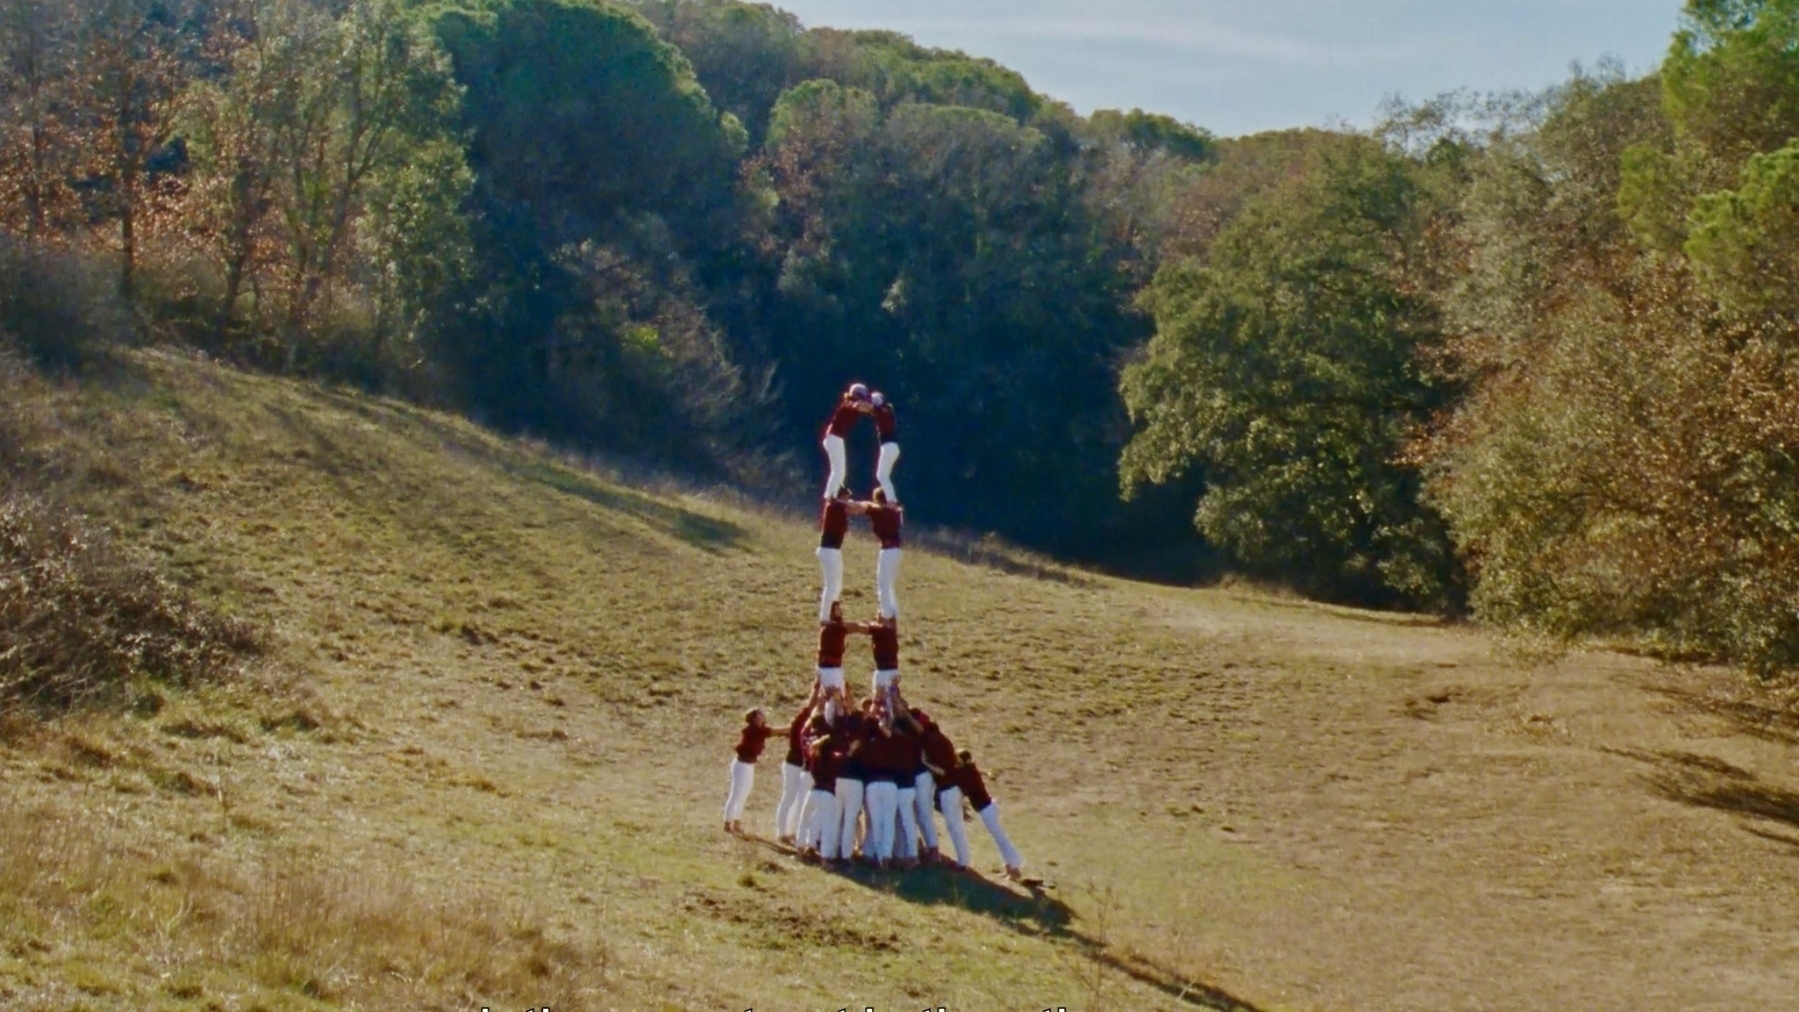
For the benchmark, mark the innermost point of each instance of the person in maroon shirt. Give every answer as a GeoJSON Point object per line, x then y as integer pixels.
{"type": "Point", "coordinates": [909, 734]}
{"type": "Point", "coordinates": [936, 753]}
{"type": "Point", "coordinates": [795, 783]}
{"type": "Point", "coordinates": [854, 729]}
{"type": "Point", "coordinates": [887, 428]}
{"type": "Point", "coordinates": [833, 634]}
{"type": "Point", "coordinates": [833, 526]}
{"type": "Point", "coordinates": [967, 777]}
{"type": "Point", "coordinates": [824, 756]}
{"type": "Point", "coordinates": [886, 517]}
{"type": "Point", "coordinates": [850, 409]}
{"type": "Point", "coordinates": [887, 756]}
{"type": "Point", "coordinates": [750, 741]}
{"type": "Point", "coordinates": [883, 635]}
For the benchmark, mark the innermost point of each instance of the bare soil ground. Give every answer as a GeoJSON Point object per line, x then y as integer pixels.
{"type": "Point", "coordinates": [486, 766]}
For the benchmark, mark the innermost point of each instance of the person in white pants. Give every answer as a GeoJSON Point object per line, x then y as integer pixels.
{"type": "Point", "coordinates": [755, 735]}
{"type": "Point", "coordinates": [833, 635]}
{"type": "Point", "coordinates": [905, 846]}
{"type": "Point", "coordinates": [819, 823]}
{"type": "Point", "coordinates": [842, 422]}
{"type": "Point", "coordinates": [949, 802]}
{"type": "Point", "coordinates": [833, 527]}
{"type": "Point", "coordinates": [882, 798]}
{"type": "Point", "coordinates": [886, 518]}
{"type": "Point", "coordinates": [887, 429]}
{"type": "Point", "coordinates": [796, 783]}
{"type": "Point", "coordinates": [883, 636]}
{"type": "Point", "coordinates": [849, 797]}
{"type": "Point", "coordinates": [852, 729]}
{"type": "Point", "coordinates": [968, 778]}
{"type": "Point", "coordinates": [935, 749]}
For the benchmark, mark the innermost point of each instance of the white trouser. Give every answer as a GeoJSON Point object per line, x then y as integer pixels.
{"type": "Point", "coordinates": [830, 562]}
{"type": "Point", "coordinates": [924, 797]}
{"type": "Point", "coordinates": [831, 678]}
{"type": "Point", "coordinates": [839, 458]}
{"type": "Point", "coordinates": [949, 801]}
{"type": "Point", "coordinates": [883, 681]}
{"type": "Point", "coordinates": [849, 805]}
{"type": "Point", "coordinates": [1007, 852]}
{"type": "Point", "coordinates": [887, 581]}
{"type": "Point", "coordinates": [883, 804]}
{"type": "Point", "coordinates": [818, 825]}
{"type": "Point", "coordinates": [884, 470]}
{"type": "Point", "coordinates": [795, 783]}
{"type": "Point", "coordinates": [906, 847]}
{"type": "Point", "coordinates": [743, 777]}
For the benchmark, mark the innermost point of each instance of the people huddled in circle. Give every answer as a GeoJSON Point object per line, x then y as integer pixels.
{"type": "Point", "coordinates": [864, 780]}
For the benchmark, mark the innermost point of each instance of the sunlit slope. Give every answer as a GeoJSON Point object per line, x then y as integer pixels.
{"type": "Point", "coordinates": [528, 676]}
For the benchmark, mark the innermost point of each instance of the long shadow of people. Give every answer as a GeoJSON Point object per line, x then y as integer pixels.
{"type": "Point", "coordinates": [1033, 911]}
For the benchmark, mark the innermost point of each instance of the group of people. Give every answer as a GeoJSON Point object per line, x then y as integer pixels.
{"type": "Point", "coordinates": [864, 779]}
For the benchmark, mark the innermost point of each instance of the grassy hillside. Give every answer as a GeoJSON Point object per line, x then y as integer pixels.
{"type": "Point", "coordinates": [483, 762]}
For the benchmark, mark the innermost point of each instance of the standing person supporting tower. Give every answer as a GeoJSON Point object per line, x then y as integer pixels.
{"type": "Point", "coordinates": [852, 734]}
{"type": "Point", "coordinates": [938, 754]}
{"type": "Point", "coordinates": [819, 824]}
{"type": "Point", "coordinates": [887, 427]}
{"type": "Point", "coordinates": [907, 732]}
{"type": "Point", "coordinates": [842, 422]}
{"type": "Point", "coordinates": [756, 733]}
{"type": "Point", "coordinates": [796, 783]}
{"type": "Point", "coordinates": [833, 526]}
{"type": "Point", "coordinates": [886, 518]}
{"type": "Point", "coordinates": [886, 760]}
{"type": "Point", "coordinates": [968, 778]}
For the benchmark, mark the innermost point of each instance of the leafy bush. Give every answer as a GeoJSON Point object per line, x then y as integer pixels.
{"type": "Point", "coordinates": [81, 618]}
{"type": "Point", "coordinates": [60, 307]}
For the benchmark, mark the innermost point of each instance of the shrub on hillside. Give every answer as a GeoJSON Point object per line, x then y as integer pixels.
{"type": "Point", "coordinates": [81, 618]}
{"type": "Point", "coordinates": [59, 306]}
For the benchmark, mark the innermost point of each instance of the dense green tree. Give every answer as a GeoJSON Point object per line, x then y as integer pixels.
{"type": "Point", "coordinates": [600, 162]}
{"type": "Point", "coordinates": [327, 170]}
{"type": "Point", "coordinates": [1290, 367]}
{"type": "Point", "coordinates": [579, 114]}
{"type": "Point", "coordinates": [1745, 242]}
{"type": "Point", "coordinates": [40, 104]}
{"type": "Point", "coordinates": [1624, 463]}
{"type": "Point", "coordinates": [946, 253]}
{"type": "Point", "coordinates": [744, 54]}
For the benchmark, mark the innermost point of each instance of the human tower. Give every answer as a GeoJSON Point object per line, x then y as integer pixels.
{"type": "Point", "coordinates": [864, 779]}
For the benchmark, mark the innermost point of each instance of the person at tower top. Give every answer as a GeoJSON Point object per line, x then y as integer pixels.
{"type": "Point", "coordinates": [887, 428]}
{"type": "Point", "coordinates": [850, 408]}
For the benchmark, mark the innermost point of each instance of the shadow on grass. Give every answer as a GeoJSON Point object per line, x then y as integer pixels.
{"type": "Point", "coordinates": [708, 534]}
{"type": "Point", "coordinates": [1034, 913]}
{"type": "Point", "coordinates": [1759, 713]}
{"type": "Point", "coordinates": [990, 552]}
{"type": "Point", "coordinates": [1709, 782]}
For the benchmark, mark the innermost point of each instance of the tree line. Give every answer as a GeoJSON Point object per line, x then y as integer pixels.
{"type": "Point", "coordinates": [1525, 356]}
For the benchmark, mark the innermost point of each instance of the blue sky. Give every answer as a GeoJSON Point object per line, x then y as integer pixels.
{"type": "Point", "coordinates": [1239, 66]}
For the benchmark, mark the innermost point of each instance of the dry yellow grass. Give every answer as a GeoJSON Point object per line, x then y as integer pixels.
{"type": "Point", "coordinates": [484, 765]}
